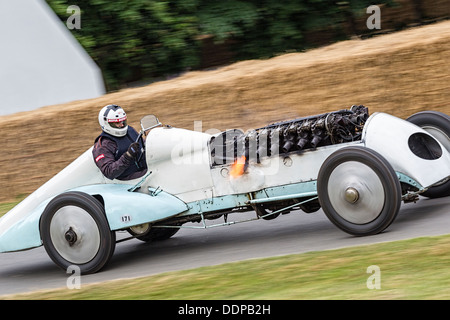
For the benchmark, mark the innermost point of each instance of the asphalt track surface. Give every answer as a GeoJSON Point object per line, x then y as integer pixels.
{"type": "Point", "coordinates": [295, 232]}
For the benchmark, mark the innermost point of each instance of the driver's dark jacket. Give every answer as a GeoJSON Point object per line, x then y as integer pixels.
{"type": "Point", "coordinates": [110, 156]}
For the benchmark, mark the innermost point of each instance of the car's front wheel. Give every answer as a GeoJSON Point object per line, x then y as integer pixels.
{"type": "Point", "coordinates": [75, 231]}
{"type": "Point", "coordinates": [359, 191]}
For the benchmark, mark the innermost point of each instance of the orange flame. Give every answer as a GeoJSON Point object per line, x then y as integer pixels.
{"type": "Point", "coordinates": [237, 169]}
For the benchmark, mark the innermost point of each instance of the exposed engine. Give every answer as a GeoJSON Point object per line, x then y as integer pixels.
{"type": "Point", "coordinates": [284, 137]}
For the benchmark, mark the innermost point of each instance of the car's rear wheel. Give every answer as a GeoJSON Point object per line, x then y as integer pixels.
{"type": "Point", "coordinates": [438, 125]}
{"type": "Point", "coordinates": [359, 191]}
{"type": "Point", "coordinates": [75, 231]}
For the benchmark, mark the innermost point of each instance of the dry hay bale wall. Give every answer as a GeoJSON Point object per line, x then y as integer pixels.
{"type": "Point", "coordinates": [400, 73]}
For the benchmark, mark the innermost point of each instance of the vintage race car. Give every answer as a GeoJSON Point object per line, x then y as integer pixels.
{"type": "Point", "coordinates": [357, 168]}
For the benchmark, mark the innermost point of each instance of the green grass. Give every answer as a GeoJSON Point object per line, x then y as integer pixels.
{"type": "Point", "coordinates": [6, 206]}
{"type": "Point", "coordinates": [409, 269]}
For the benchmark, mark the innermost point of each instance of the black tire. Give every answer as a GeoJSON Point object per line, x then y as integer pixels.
{"type": "Point", "coordinates": [154, 233]}
{"type": "Point", "coordinates": [438, 125]}
{"type": "Point", "coordinates": [75, 231]}
{"type": "Point", "coordinates": [359, 191]}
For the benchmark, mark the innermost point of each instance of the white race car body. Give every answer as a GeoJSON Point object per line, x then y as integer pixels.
{"type": "Point", "coordinates": [184, 184]}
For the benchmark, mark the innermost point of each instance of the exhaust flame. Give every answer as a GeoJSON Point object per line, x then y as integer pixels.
{"type": "Point", "coordinates": [237, 169]}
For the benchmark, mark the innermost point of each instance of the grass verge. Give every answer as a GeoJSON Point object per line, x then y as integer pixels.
{"type": "Point", "coordinates": [408, 269]}
{"type": "Point", "coordinates": [6, 206]}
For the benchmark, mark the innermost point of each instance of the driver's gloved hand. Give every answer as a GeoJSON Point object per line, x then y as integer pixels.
{"type": "Point", "coordinates": [133, 150]}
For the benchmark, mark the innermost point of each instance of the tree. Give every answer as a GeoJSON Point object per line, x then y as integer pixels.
{"type": "Point", "coordinates": [135, 39]}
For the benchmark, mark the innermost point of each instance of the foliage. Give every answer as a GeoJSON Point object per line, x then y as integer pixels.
{"type": "Point", "coordinates": [134, 40]}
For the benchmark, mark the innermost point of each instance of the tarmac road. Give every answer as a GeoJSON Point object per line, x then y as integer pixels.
{"type": "Point", "coordinates": [296, 232]}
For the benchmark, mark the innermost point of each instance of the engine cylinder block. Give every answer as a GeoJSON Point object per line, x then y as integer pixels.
{"type": "Point", "coordinates": [293, 136]}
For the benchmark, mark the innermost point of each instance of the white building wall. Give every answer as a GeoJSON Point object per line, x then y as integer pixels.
{"type": "Point", "coordinates": [41, 63]}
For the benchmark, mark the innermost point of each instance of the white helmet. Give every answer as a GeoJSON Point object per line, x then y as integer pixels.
{"type": "Point", "coordinates": [113, 120]}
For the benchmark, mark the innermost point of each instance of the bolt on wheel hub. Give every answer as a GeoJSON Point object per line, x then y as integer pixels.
{"type": "Point", "coordinates": [351, 195]}
{"type": "Point", "coordinates": [70, 236]}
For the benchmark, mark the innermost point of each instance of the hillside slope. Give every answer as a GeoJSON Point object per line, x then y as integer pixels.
{"type": "Point", "coordinates": [400, 73]}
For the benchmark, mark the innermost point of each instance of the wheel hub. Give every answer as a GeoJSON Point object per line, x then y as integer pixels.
{"type": "Point", "coordinates": [351, 195]}
{"type": "Point", "coordinates": [75, 234]}
{"type": "Point", "coordinates": [70, 236]}
{"type": "Point", "coordinates": [356, 192]}
{"type": "Point", "coordinates": [141, 229]}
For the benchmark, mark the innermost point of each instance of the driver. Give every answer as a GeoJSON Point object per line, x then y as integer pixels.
{"type": "Point", "coordinates": [117, 153]}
